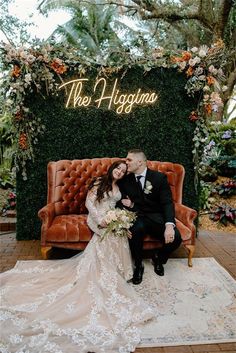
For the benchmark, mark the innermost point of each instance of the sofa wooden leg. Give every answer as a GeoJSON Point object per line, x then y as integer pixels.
{"type": "Point", "coordinates": [45, 251]}
{"type": "Point", "coordinates": [190, 250]}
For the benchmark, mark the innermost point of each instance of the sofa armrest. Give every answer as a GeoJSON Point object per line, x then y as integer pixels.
{"type": "Point", "coordinates": [186, 215]}
{"type": "Point", "coordinates": [46, 214]}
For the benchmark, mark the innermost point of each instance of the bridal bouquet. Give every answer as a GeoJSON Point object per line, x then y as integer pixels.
{"type": "Point", "coordinates": [118, 222]}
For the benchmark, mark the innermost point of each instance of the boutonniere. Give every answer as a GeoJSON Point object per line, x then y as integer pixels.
{"type": "Point", "coordinates": [148, 187]}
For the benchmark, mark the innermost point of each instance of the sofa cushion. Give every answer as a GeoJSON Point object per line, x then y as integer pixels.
{"type": "Point", "coordinates": [73, 228]}
{"type": "Point", "coordinates": [69, 228]}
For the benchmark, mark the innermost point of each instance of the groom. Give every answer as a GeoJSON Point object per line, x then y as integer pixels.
{"type": "Point", "coordinates": [148, 193]}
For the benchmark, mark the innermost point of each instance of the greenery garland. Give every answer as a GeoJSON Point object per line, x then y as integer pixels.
{"type": "Point", "coordinates": [43, 67]}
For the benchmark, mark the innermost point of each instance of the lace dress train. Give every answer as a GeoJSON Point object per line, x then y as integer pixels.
{"type": "Point", "coordinates": [82, 304]}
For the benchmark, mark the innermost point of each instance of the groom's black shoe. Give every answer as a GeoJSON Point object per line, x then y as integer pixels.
{"type": "Point", "coordinates": [138, 274]}
{"type": "Point", "coordinates": [158, 266]}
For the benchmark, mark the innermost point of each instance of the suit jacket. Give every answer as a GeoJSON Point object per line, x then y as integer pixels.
{"type": "Point", "coordinates": [156, 203]}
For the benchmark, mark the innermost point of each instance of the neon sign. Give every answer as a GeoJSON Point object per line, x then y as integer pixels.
{"type": "Point", "coordinates": [112, 97]}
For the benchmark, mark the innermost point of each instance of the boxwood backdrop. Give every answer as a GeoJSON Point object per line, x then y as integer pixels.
{"type": "Point", "coordinates": [162, 130]}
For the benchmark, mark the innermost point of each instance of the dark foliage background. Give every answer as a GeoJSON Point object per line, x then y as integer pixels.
{"type": "Point", "coordinates": [163, 131]}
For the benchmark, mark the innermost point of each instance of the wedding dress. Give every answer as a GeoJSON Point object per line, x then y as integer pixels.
{"type": "Point", "coordinates": [77, 305]}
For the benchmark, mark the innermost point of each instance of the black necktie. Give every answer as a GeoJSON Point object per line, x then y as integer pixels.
{"type": "Point", "coordinates": [139, 182]}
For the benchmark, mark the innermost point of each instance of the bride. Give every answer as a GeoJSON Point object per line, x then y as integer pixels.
{"type": "Point", "coordinates": [78, 305]}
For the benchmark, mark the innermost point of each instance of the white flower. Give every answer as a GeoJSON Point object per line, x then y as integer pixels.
{"type": "Point", "coordinates": [202, 77]}
{"type": "Point", "coordinates": [58, 61]}
{"type": "Point", "coordinates": [216, 99]}
{"type": "Point", "coordinates": [111, 216]}
{"type": "Point", "coordinates": [30, 59]}
{"type": "Point", "coordinates": [206, 88]}
{"type": "Point", "coordinates": [7, 46]}
{"type": "Point", "coordinates": [203, 51]}
{"type": "Point", "coordinates": [199, 71]}
{"type": "Point", "coordinates": [23, 55]}
{"type": "Point", "coordinates": [12, 52]}
{"type": "Point", "coordinates": [8, 58]}
{"type": "Point", "coordinates": [215, 107]}
{"type": "Point", "coordinates": [193, 62]}
{"type": "Point", "coordinates": [212, 70]}
{"type": "Point", "coordinates": [157, 52]}
{"type": "Point", "coordinates": [148, 187]}
{"type": "Point", "coordinates": [182, 65]}
{"type": "Point", "coordinates": [194, 49]}
{"type": "Point", "coordinates": [28, 78]}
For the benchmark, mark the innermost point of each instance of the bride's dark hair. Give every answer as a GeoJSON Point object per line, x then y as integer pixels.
{"type": "Point", "coordinates": [104, 183]}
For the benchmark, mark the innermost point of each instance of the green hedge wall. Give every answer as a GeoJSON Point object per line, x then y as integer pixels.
{"type": "Point", "coordinates": [163, 131]}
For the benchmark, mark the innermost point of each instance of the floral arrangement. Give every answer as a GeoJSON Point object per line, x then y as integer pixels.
{"type": "Point", "coordinates": [43, 66]}
{"type": "Point", "coordinates": [206, 77]}
{"type": "Point", "coordinates": [118, 222]}
{"type": "Point", "coordinates": [203, 76]}
{"type": "Point", "coordinates": [10, 203]}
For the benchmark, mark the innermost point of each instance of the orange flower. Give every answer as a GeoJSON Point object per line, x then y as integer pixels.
{"type": "Point", "coordinates": [58, 68]}
{"type": "Point", "coordinates": [210, 80]}
{"type": "Point", "coordinates": [219, 44]}
{"type": "Point", "coordinates": [23, 141]}
{"type": "Point", "coordinates": [189, 72]}
{"type": "Point", "coordinates": [186, 56]}
{"type": "Point", "coordinates": [16, 71]}
{"type": "Point", "coordinates": [208, 108]}
{"type": "Point", "coordinates": [193, 116]}
{"type": "Point", "coordinates": [176, 59]}
{"type": "Point", "coordinates": [61, 69]}
{"type": "Point", "coordinates": [19, 115]}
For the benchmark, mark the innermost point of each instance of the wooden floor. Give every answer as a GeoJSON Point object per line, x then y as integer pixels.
{"type": "Point", "coordinates": [220, 245]}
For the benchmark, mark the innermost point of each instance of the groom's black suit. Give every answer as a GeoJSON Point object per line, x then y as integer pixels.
{"type": "Point", "coordinates": [154, 207]}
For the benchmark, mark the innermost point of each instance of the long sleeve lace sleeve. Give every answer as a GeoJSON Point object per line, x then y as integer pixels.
{"type": "Point", "coordinates": [91, 206]}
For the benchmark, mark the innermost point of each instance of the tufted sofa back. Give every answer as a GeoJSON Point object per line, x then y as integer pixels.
{"type": "Point", "coordinates": [68, 181]}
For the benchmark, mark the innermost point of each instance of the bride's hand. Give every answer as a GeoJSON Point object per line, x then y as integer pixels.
{"type": "Point", "coordinates": [103, 224]}
{"type": "Point", "coordinates": [129, 234]}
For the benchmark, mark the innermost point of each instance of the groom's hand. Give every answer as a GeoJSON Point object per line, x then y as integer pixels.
{"type": "Point", "coordinates": [169, 233]}
{"type": "Point", "coordinates": [127, 202]}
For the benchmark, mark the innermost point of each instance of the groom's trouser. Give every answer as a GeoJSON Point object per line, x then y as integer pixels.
{"type": "Point", "coordinates": [143, 226]}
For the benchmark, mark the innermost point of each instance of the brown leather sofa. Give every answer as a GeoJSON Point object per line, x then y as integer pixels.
{"type": "Point", "coordinates": [64, 217]}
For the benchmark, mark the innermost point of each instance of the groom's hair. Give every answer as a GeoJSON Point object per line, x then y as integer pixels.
{"type": "Point", "coordinates": [139, 152]}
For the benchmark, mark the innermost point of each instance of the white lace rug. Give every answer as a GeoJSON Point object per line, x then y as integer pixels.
{"type": "Point", "coordinates": [193, 305]}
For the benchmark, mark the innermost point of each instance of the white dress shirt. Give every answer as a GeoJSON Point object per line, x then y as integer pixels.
{"type": "Point", "coordinates": [143, 175]}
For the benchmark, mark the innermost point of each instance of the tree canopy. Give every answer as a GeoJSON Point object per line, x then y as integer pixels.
{"type": "Point", "coordinates": [179, 24]}
{"type": "Point", "coordinates": [14, 30]}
